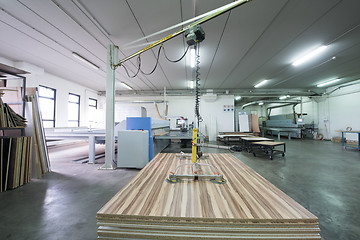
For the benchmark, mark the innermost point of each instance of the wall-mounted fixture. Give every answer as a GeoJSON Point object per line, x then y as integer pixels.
{"type": "Point", "coordinates": [81, 58]}
{"type": "Point", "coordinates": [309, 56]}
{"type": "Point", "coordinates": [263, 82]}
{"type": "Point", "coordinates": [328, 82]}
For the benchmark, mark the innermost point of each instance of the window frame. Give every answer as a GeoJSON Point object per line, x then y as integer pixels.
{"type": "Point", "coordinates": [91, 107]}
{"type": "Point", "coordinates": [78, 103]}
{"type": "Point", "coordinates": [96, 103]}
{"type": "Point", "coordinates": [54, 99]}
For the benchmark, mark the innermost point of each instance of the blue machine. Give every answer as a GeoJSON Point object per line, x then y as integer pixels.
{"type": "Point", "coordinates": [152, 126]}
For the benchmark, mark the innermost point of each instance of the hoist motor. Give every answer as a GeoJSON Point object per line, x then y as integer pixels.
{"type": "Point", "coordinates": [194, 35]}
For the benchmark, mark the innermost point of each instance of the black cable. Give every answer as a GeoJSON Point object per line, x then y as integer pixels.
{"type": "Point", "coordinates": [138, 70]}
{"type": "Point", "coordinates": [157, 63]}
{"type": "Point", "coordinates": [175, 61]}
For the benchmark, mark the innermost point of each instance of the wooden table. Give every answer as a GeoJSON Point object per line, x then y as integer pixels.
{"type": "Point", "coordinates": [247, 206]}
{"type": "Point", "coordinates": [227, 138]}
{"type": "Point", "coordinates": [246, 142]}
{"type": "Point", "coordinates": [267, 148]}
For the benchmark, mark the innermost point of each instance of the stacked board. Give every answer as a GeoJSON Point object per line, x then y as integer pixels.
{"type": "Point", "coordinates": [9, 118]}
{"type": "Point", "coordinates": [14, 162]}
{"type": "Point", "coordinates": [247, 206]}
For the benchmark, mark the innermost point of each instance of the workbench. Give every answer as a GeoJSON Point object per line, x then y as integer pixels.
{"type": "Point", "coordinates": [247, 206]}
{"type": "Point", "coordinates": [154, 126]}
{"type": "Point", "coordinates": [348, 144]}
{"type": "Point", "coordinates": [268, 148]}
{"type": "Point", "coordinates": [279, 131]}
{"type": "Point", "coordinates": [246, 142]}
{"type": "Point", "coordinates": [227, 138]}
{"type": "Point", "coordinates": [93, 136]}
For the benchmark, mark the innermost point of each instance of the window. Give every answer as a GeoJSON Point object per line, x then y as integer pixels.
{"type": "Point", "coordinates": [92, 111]}
{"type": "Point", "coordinates": [74, 110]}
{"type": "Point", "coordinates": [47, 98]}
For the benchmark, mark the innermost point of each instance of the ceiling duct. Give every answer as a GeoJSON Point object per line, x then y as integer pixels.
{"type": "Point", "coordinates": [282, 103]}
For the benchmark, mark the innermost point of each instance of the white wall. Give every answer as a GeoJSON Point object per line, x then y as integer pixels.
{"type": "Point", "coordinates": [331, 112]}
{"type": "Point", "coordinates": [212, 112]}
{"type": "Point", "coordinates": [309, 109]}
{"type": "Point", "coordinates": [63, 88]}
{"type": "Point", "coordinates": [340, 110]}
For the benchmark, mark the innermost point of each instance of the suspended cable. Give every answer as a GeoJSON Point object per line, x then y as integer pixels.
{"type": "Point", "coordinates": [156, 64]}
{"type": "Point", "coordinates": [137, 71]}
{"type": "Point", "coordinates": [174, 61]}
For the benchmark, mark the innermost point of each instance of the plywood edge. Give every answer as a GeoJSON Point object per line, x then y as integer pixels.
{"type": "Point", "coordinates": [116, 217]}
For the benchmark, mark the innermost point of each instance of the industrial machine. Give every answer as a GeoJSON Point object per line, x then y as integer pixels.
{"type": "Point", "coordinates": [155, 127]}
{"type": "Point", "coordinates": [182, 124]}
{"type": "Point", "coordinates": [289, 124]}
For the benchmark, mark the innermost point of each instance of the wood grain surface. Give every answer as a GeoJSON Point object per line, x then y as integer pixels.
{"type": "Point", "coordinates": [268, 143]}
{"type": "Point", "coordinates": [247, 205]}
{"type": "Point", "coordinates": [256, 139]}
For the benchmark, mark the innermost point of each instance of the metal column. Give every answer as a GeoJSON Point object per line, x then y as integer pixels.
{"type": "Point", "coordinates": [112, 59]}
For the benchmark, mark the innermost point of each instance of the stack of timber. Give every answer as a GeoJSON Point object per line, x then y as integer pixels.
{"type": "Point", "coordinates": [40, 156]}
{"type": "Point", "coordinates": [15, 164]}
{"type": "Point", "coordinates": [9, 118]}
{"type": "Point", "coordinates": [247, 206]}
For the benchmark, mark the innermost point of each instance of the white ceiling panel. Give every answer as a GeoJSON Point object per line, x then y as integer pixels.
{"type": "Point", "coordinates": [258, 40]}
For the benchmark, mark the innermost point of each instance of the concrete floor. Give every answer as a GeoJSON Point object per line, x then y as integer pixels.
{"type": "Point", "coordinates": [321, 176]}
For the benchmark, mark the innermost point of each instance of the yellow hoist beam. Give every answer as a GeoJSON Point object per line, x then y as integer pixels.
{"type": "Point", "coordinates": [221, 10]}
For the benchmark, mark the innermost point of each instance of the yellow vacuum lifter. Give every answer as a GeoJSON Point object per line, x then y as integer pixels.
{"type": "Point", "coordinates": [196, 167]}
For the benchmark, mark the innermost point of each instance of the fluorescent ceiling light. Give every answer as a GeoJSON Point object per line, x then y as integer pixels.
{"type": "Point", "coordinates": [309, 56]}
{"type": "Point", "coordinates": [191, 84]}
{"type": "Point", "coordinates": [261, 83]}
{"type": "Point", "coordinates": [192, 57]}
{"type": "Point", "coordinates": [328, 83]}
{"type": "Point", "coordinates": [237, 98]}
{"type": "Point", "coordinates": [284, 97]}
{"type": "Point", "coordinates": [126, 86]}
{"type": "Point", "coordinates": [261, 103]}
{"type": "Point", "coordinates": [8, 77]}
{"type": "Point", "coordinates": [77, 56]}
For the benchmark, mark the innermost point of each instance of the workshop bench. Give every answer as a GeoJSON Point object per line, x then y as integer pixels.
{"type": "Point", "coordinates": [268, 148]}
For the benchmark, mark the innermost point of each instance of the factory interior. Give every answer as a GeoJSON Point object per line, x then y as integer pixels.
{"type": "Point", "coordinates": [182, 119]}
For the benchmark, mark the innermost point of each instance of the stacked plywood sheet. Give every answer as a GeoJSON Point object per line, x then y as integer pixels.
{"type": "Point", "coordinates": [14, 162]}
{"type": "Point", "coordinates": [10, 116]}
{"type": "Point", "coordinates": [246, 207]}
